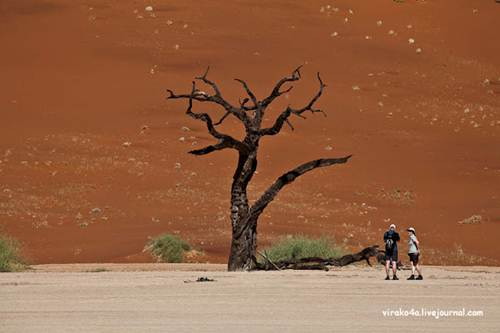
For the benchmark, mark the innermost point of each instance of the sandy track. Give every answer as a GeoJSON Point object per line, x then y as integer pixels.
{"type": "Point", "coordinates": [349, 299]}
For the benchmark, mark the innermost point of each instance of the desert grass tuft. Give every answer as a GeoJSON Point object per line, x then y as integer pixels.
{"type": "Point", "coordinates": [10, 255]}
{"type": "Point", "coordinates": [168, 248]}
{"type": "Point", "coordinates": [297, 247]}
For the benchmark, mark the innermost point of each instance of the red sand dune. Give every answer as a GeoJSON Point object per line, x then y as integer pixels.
{"type": "Point", "coordinates": [80, 78]}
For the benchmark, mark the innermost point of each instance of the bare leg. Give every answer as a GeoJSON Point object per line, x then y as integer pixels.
{"type": "Point", "coordinates": [394, 268]}
{"type": "Point", "coordinates": [387, 262]}
{"type": "Point", "coordinates": [413, 268]}
{"type": "Point", "coordinates": [418, 269]}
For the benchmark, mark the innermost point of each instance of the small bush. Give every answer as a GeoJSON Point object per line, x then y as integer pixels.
{"type": "Point", "coordinates": [299, 247]}
{"type": "Point", "coordinates": [168, 248]}
{"type": "Point", "coordinates": [98, 270]}
{"type": "Point", "coordinates": [10, 258]}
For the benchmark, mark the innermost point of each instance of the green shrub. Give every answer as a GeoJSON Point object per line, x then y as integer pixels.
{"type": "Point", "coordinates": [298, 247]}
{"type": "Point", "coordinates": [10, 258]}
{"type": "Point", "coordinates": [168, 248]}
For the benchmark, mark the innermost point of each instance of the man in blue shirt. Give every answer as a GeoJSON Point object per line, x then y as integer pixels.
{"type": "Point", "coordinates": [391, 239]}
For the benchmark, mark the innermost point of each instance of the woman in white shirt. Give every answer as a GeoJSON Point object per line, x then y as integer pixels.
{"type": "Point", "coordinates": [414, 253]}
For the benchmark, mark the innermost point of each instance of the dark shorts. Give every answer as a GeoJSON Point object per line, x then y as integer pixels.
{"type": "Point", "coordinates": [391, 255]}
{"type": "Point", "coordinates": [413, 257]}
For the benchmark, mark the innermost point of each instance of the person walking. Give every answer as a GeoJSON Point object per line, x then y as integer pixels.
{"type": "Point", "coordinates": [414, 253]}
{"type": "Point", "coordinates": [391, 239]}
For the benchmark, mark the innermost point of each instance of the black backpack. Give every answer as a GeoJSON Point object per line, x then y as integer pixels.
{"type": "Point", "coordinates": [389, 242]}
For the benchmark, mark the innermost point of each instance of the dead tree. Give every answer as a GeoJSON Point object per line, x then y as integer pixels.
{"type": "Point", "coordinates": [250, 112]}
{"type": "Point", "coordinates": [319, 263]}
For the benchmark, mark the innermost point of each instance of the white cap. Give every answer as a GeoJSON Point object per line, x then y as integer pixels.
{"type": "Point", "coordinates": [411, 229]}
{"type": "Point", "coordinates": [392, 226]}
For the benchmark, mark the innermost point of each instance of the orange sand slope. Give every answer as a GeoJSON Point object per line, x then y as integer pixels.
{"type": "Point", "coordinates": [413, 92]}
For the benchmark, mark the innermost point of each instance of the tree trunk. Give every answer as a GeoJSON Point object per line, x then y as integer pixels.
{"type": "Point", "coordinates": [244, 236]}
{"type": "Point", "coordinates": [243, 247]}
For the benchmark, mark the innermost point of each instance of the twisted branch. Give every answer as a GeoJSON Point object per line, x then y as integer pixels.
{"type": "Point", "coordinates": [217, 98]}
{"type": "Point", "coordinates": [225, 141]}
{"type": "Point", "coordinates": [269, 195]}
{"type": "Point", "coordinates": [277, 92]}
{"type": "Point", "coordinates": [318, 263]}
{"type": "Point", "coordinates": [249, 93]}
{"type": "Point", "coordinates": [283, 117]}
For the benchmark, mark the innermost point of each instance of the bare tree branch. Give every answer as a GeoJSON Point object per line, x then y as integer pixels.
{"type": "Point", "coordinates": [277, 92]}
{"type": "Point", "coordinates": [278, 124]}
{"type": "Point", "coordinates": [269, 195]}
{"type": "Point", "coordinates": [283, 117]}
{"type": "Point", "coordinates": [222, 118]}
{"type": "Point", "coordinates": [202, 116]}
{"type": "Point", "coordinates": [243, 103]}
{"type": "Point", "coordinates": [290, 124]}
{"type": "Point", "coordinates": [226, 141]}
{"type": "Point", "coordinates": [249, 92]}
{"type": "Point", "coordinates": [309, 107]}
{"type": "Point", "coordinates": [210, 83]}
{"type": "Point", "coordinates": [223, 144]}
{"type": "Point", "coordinates": [217, 98]}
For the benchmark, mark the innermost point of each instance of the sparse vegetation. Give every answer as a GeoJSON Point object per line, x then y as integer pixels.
{"type": "Point", "coordinates": [98, 270]}
{"type": "Point", "coordinates": [457, 255]}
{"type": "Point", "coordinates": [10, 257]}
{"type": "Point", "coordinates": [168, 248]}
{"type": "Point", "coordinates": [400, 196]}
{"type": "Point", "coordinates": [474, 219]}
{"type": "Point", "coordinates": [298, 247]}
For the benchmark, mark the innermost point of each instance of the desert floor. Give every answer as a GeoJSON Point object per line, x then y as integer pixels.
{"type": "Point", "coordinates": [163, 298]}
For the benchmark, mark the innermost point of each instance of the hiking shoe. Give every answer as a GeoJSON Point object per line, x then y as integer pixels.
{"type": "Point", "coordinates": [387, 277]}
{"type": "Point", "coordinates": [420, 277]}
{"type": "Point", "coordinates": [395, 277]}
{"type": "Point", "coordinates": [412, 277]}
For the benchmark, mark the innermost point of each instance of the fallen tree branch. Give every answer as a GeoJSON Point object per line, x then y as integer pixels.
{"type": "Point", "coordinates": [316, 263]}
{"type": "Point", "coordinates": [264, 255]}
{"type": "Point", "coordinates": [381, 260]}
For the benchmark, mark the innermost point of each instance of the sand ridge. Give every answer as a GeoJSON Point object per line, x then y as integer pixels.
{"type": "Point", "coordinates": [94, 160]}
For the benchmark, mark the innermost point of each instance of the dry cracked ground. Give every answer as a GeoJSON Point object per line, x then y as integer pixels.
{"type": "Point", "coordinates": [166, 298]}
